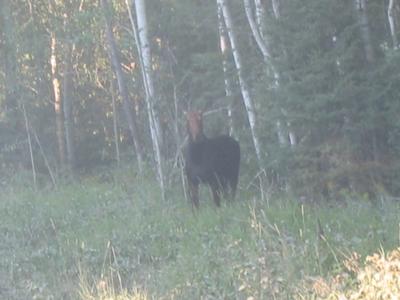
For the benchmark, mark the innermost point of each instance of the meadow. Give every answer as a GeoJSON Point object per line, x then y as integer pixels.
{"type": "Point", "coordinates": [111, 237]}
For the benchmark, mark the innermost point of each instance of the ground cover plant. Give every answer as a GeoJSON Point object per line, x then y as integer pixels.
{"type": "Point", "coordinates": [115, 239]}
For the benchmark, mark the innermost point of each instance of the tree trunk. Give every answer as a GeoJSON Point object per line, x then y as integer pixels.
{"type": "Point", "coordinates": [276, 8]}
{"type": "Point", "coordinates": [362, 15]}
{"type": "Point", "coordinates": [392, 23]}
{"type": "Point", "coordinates": [248, 101]}
{"type": "Point", "coordinates": [67, 107]}
{"type": "Point", "coordinates": [115, 62]}
{"type": "Point", "coordinates": [142, 42]}
{"type": "Point", "coordinates": [223, 44]}
{"type": "Point", "coordinates": [57, 101]}
{"type": "Point", "coordinates": [145, 54]}
{"type": "Point", "coordinates": [10, 60]}
{"type": "Point", "coordinates": [260, 39]}
{"type": "Point", "coordinates": [115, 122]}
{"type": "Point", "coordinates": [28, 134]}
{"type": "Point", "coordinates": [255, 30]}
{"type": "Point", "coordinates": [260, 16]}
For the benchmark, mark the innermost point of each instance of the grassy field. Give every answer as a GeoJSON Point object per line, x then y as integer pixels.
{"type": "Point", "coordinates": [114, 239]}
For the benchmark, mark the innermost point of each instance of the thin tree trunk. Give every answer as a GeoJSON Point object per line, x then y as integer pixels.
{"type": "Point", "coordinates": [28, 133]}
{"type": "Point", "coordinates": [276, 8]}
{"type": "Point", "coordinates": [255, 31]}
{"type": "Point", "coordinates": [115, 61]}
{"type": "Point", "coordinates": [145, 54]}
{"type": "Point", "coordinates": [57, 101]}
{"type": "Point", "coordinates": [261, 40]}
{"type": "Point", "coordinates": [260, 16]}
{"type": "Point", "coordinates": [223, 44]}
{"type": "Point", "coordinates": [248, 101]}
{"type": "Point", "coordinates": [67, 106]}
{"type": "Point", "coordinates": [362, 15]}
{"type": "Point", "coordinates": [46, 161]}
{"type": "Point", "coordinates": [115, 123]}
{"type": "Point", "coordinates": [392, 23]}
{"type": "Point", "coordinates": [10, 60]}
{"type": "Point", "coordinates": [142, 42]}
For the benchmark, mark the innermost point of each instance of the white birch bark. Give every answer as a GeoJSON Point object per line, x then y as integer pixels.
{"type": "Point", "coordinates": [142, 42]}
{"type": "Point", "coordinates": [223, 44]}
{"type": "Point", "coordinates": [57, 100]}
{"type": "Point", "coordinates": [262, 42]}
{"type": "Point", "coordinates": [361, 11]}
{"type": "Point", "coordinates": [260, 16]}
{"type": "Point", "coordinates": [255, 30]}
{"type": "Point", "coordinates": [276, 8]}
{"type": "Point", "coordinates": [142, 32]}
{"type": "Point", "coordinates": [248, 101]}
{"type": "Point", "coordinates": [392, 23]}
{"type": "Point", "coordinates": [67, 107]}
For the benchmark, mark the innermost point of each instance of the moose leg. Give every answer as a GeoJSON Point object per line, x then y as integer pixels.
{"type": "Point", "coordinates": [194, 194]}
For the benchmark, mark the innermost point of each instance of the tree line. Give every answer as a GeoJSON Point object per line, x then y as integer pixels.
{"type": "Point", "coordinates": [310, 89]}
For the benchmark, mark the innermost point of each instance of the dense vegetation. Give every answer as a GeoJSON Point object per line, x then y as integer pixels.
{"type": "Point", "coordinates": [92, 200]}
{"type": "Point", "coordinates": [100, 239]}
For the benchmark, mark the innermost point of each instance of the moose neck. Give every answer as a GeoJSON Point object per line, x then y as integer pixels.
{"type": "Point", "coordinates": [198, 139]}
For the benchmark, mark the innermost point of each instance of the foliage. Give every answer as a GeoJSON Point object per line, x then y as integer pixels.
{"type": "Point", "coordinates": [341, 108]}
{"type": "Point", "coordinates": [110, 236]}
{"type": "Point", "coordinates": [377, 278]}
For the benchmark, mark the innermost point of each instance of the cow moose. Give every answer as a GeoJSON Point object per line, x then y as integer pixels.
{"type": "Point", "coordinates": [213, 161]}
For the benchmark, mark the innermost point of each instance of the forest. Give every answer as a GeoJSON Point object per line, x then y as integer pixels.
{"type": "Point", "coordinates": [94, 95]}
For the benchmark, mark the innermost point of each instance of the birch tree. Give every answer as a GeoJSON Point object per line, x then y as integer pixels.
{"type": "Point", "coordinates": [363, 23]}
{"type": "Point", "coordinates": [260, 15]}
{"type": "Point", "coordinates": [9, 50]}
{"type": "Point", "coordinates": [67, 107]}
{"type": "Point", "coordinates": [392, 23]}
{"type": "Point", "coordinates": [223, 44]}
{"type": "Point", "coordinates": [248, 101]}
{"type": "Point", "coordinates": [140, 30]}
{"type": "Point", "coordinates": [123, 90]}
{"type": "Point", "coordinates": [57, 100]}
{"type": "Point", "coordinates": [256, 26]}
{"type": "Point", "coordinates": [275, 7]}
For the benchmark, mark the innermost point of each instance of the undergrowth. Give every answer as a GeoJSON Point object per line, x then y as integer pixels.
{"type": "Point", "coordinates": [111, 237]}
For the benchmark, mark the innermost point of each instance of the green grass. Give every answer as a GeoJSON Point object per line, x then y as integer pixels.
{"type": "Point", "coordinates": [97, 238]}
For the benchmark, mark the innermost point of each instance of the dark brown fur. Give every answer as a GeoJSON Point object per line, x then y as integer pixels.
{"type": "Point", "coordinates": [213, 161]}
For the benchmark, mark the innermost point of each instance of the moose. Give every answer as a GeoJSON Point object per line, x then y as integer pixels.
{"type": "Point", "coordinates": [213, 161]}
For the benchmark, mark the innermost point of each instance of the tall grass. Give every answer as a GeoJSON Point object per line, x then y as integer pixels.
{"type": "Point", "coordinates": [111, 237]}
